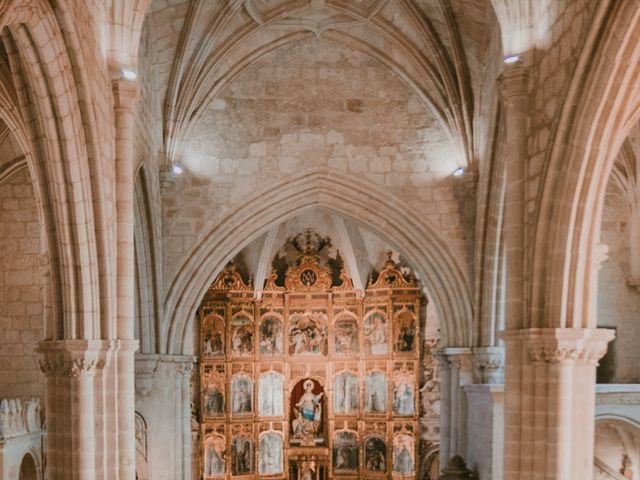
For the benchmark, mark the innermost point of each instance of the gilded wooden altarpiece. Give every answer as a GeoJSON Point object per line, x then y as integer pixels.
{"type": "Point", "coordinates": [313, 380]}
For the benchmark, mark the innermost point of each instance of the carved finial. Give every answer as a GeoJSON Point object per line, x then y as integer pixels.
{"type": "Point", "coordinates": [308, 248]}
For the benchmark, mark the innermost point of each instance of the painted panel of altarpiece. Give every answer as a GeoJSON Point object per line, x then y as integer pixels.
{"type": "Point", "coordinates": [311, 379]}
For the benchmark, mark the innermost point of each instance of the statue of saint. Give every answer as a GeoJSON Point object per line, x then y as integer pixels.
{"type": "Point", "coordinates": [308, 411]}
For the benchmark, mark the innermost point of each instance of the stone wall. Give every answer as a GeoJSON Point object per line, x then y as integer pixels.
{"type": "Point", "coordinates": [22, 280]}
{"type": "Point", "coordinates": [315, 104]}
{"type": "Point", "coordinates": [619, 303]}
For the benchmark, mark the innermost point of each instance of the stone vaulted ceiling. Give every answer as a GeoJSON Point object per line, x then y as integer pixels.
{"type": "Point", "coordinates": [436, 47]}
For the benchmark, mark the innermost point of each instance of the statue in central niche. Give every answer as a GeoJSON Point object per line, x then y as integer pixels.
{"type": "Point", "coordinates": [307, 401]}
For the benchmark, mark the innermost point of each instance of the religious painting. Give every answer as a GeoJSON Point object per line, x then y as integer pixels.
{"type": "Point", "coordinates": [375, 454]}
{"type": "Point", "coordinates": [214, 453]}
{"type": "Point", "coordinates": [405, 325]}
{"type": "Point", "coordinates": [241, 335]}
{"type": "Point", "coordinates": [212, 336]}
{"type": "Point", "coordinates": [376, 334]}
{"type": "Point", "coordinates": [241, 456]}
{"type": "Point", "coordinates": [345, 393]}
{"type": "Point", "coordinates": [241, 394]}
{"type": "Point", "coordinates": [403, 393]}
{"type": "Point", "coordinates": [270, 393]}
{"type": "Point", "coordinates": [345, 451]}
{"type": "Point", "coordinates": [213, 400]}
{"type": "Point", "coordinates": [403, 454]}
{"type": "Point", "coordinates": [308, 334]}
{"type": "Point", "coordinates": [271, 450]}
{"type": "Point", "coordinates": [271, 334]}
{"type": "Point", "coordinates": [375, 393]}
{"type": "Point", "coordinates": [345, 336]}
{"type": "Point", "coordinates": [307, 412]}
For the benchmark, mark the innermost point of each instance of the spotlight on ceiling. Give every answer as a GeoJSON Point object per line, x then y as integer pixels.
{"type": "Point", "coordinates": [512, 59]}
{"type": "Point", "coordinates": [458, 171]}
{"type": "Point", "coordinates": [128, 74]}
{"type": "Point", "coordinates": [176, 168]}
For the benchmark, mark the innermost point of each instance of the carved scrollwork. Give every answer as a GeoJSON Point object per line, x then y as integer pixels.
{"type": "Point", "coordinates": [231, 280]}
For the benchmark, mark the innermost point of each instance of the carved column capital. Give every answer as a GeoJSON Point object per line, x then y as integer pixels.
{"type": "Point", "coordinates": [565, 346]}
{"type": "Point", "coordinates": [489, 364]}
{"type": "Point", "coordinates": [457, 358]}
{"type": "Point", "coordinates": [74, 358]}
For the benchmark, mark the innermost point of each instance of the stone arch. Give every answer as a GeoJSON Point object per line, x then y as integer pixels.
{"type": "Point", "coordinates": [360, 201]}
{"type": "Point", "coordinates": [30, 468]}
{"type": "Point", "coordinates": [142, 466]}
{"type": "Point", "coordinates": [602, 105]}
{"type": "Point", "coordinates": [54, 136]}
{"type": "Point", "coordinates": [616, 452]}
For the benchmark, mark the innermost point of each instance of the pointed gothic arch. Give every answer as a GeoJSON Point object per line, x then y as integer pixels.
{"type": "Point", "coordinates": [364, 203]}
{"type": "Point", "coordinates": [606, 91]}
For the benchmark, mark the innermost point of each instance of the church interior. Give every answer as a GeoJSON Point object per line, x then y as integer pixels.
{"type": "Point", "coordinates": [319, 239]}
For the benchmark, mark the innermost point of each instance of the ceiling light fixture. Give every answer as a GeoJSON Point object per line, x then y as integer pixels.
{"type": "Point", "coordinates": [458, 171]}
{"type": "Point", "coordinates": [509, 59]}
{"type": "Point", "coordinates": [176, 168]}
{"type": "Point", "coordinates": [126, 74]}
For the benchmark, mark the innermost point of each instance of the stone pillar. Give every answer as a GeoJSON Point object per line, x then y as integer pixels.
{"type": "Point", "coordinates": [550, 402]}
{"type": "Point", "coordinates": [456, 370]}
{"type": "Point", "coordinates": [125, 96]}
{"type": "Point", "coordinates": [163, 385]}
{"type": "Point", "coordinates": [71, 390]}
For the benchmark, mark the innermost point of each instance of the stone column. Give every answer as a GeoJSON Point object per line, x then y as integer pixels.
{"type": "Point", "coordinates": [70, 402]}
{"type": "Point", "coordinates": [550, 402]}
{"type": "Point", "coordinates": [125, 96]}
{"type": "Point", "coordinates": [163, 384]}
{"type": "Point", "coordinates": [514, 89]}
{"type": "Point", "coordinates": [456, 370]}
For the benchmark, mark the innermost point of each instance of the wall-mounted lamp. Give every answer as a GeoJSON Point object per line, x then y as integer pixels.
{"type": "Point", "coordinates": [126, 74]}
{"type": "Point", "coordinates": [458, 171]}
{"type": "Point", "coordinates": [176, 168]}
{"type": "Point", "coordinates": [509, 59]}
